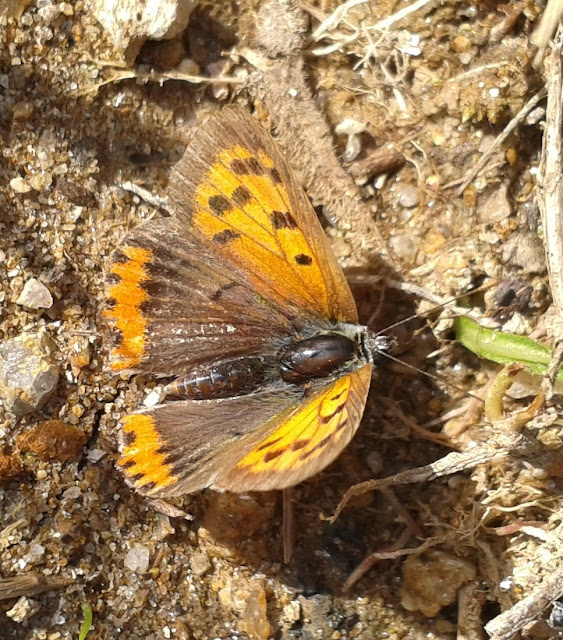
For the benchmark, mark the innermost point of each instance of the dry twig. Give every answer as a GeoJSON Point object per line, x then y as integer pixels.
{"type": "Point", "coordinates": [31, 584]}
{"type": "Point", "coordinates": [507, 624]}
{"type": "Point", "coordinates": [551, 200]}
{"type": "Point", "coordinates": [546, 28]}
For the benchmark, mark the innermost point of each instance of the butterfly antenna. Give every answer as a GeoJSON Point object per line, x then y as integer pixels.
{"type": "Point", "coordinates": [386, 354]}
{"type": "Point", "coordinates": [442, 305]}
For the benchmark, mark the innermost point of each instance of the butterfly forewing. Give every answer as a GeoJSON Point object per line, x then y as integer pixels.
{"type": "Point", "coordinates": [245, 203]}
{"type": "Point", "coordinates": [176, 306]}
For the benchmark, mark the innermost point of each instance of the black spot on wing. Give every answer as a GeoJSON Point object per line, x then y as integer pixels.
{"type": "Point", "coordinates": [299, 444]}
{"type": "Point", "coordinates": [117, 338]}
{"type": "Point", "coordinates": [112, 279]}
{"type": "Point", "coordinates": [272, 455]}
{"type": "Point", "coordinates": [226, 236]}
{"type": "Point", "coordinates": [334, 413]}
{"type": "Point", "coordinates": [219, 205]}
{"type": "Point", "coordinates": [119, 257]}
{"type": "Point", "coordinates": [341, 426]}
{"type": "Point", "coordinates": [275, 175]}
{"type": "Point", "coordinates": [247, 167]}
{"type": "Point", "coordinates": [128, 438]}
{"type": "Point", "coordinates": [283, 220]}
{"type": "Point", "coordinates": [241, 196]}
{"type": "Point", "coordinates": [319, 445]}
{"type": "Point", "coordinates": [269, 443]}
{"type": "Point", "coordinates": [303, 259]}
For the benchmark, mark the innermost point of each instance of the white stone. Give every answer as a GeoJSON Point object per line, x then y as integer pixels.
{"type": "Point", "coordinates": [35, 295]}
{"type": "Point", "coordinates": [137, 558]}
{"type": "Point", "coordinates": [138, 20]}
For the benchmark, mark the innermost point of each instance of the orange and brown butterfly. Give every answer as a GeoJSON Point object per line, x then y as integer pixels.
{"type": "Point", "coordinates": [238, 300]}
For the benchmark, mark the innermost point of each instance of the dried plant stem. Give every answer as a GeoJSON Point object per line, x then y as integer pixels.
{"type": "Point", "coordinates": [529, 609]}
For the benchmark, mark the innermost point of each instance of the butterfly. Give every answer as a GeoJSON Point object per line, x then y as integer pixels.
{"type": "Point", "coordinates": [238, 300]}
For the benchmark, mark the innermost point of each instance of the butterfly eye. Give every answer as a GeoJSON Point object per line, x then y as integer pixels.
{"type": "Point", "coordinates": [316, 357]}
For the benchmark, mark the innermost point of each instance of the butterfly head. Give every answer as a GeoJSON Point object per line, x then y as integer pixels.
{"type": "Point", "coordinates": [376, 345]}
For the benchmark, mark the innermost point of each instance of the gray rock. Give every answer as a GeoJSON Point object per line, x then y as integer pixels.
{"type": "Point", "coordinates": [525, 250]}
{"type": "Point", "coordinates": [28, 376]}
{"type": "Point", "coordinates": [496, 207]}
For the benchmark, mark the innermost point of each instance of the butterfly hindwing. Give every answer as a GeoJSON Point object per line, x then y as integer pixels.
{"type": "Point", "coordinates": [271, 440]}
{"type": "Point", "coordinates": [180, 447]}
{"type": "Point", "coordinates": [175, 306]}
{"type": "Point", "coordinates": [299, 445]}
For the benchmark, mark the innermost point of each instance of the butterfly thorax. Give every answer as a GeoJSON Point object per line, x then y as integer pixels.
{"type": "Point", "coordinates": [319, 356]}
{"type": "Point", "coordinates": [298, 362]}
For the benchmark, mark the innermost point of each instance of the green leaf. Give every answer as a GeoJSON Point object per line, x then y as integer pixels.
{"type": "Point", "coordinates": [87, 623]}
{"type": "Point", "coordinates": [503, 348]}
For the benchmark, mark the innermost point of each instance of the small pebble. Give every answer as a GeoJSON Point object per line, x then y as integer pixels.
{"type": "Point", "coordinates": [19, 185]}
{"type": "Point", "coordinates": [53, 440]}
{"type": "Point", "coordinates": [22, 110]}
{"type": "Point", "coordinates": [407, 195]}
{"type": "Point", "coordinates": [255, 614]}
{"type": "Point", "coordinates": [403, 247]}
{"type": "Point", "coordinates": [23, 609]}
{"type": "Point", "coordinates": [131, 21]}
{"type": "Point", "coordinates": [461, 44]}
{"type": "Point", "coordinates": [353, 148]}
{"type": "Point", "coordinates": [137, 558]}
{"type": "Point", "coordinates": [200, 563]}
{"type": "Point", "coordinates": [35, 553]}
{"type": "Point", "coordinates": [350, 127]}
{"type": "Point", "coordinates": [525, 250]}
{"type": "Point", "coordinates": [433, 241]}
{"type": "Point", "coordinates": [189, 67]}
{"type": "Point", "coordinates": [10, 466]}
{"type": "Point", "coordinates": [28, 376]}
{"type": "Point", "coordinates": [35, 295]}
{"type": "Point", "coordinates": [496, 207]}
{"type": "Point", "coordinates": [431, 581]}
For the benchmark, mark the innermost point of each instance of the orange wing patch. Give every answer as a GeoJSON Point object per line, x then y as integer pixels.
{"type": "Point", "coordinates": [243, 208]}
{"type": "Point", "coordinates": [141, 460]}
{"type": "Point", "coordinates": [126, 315]}
{"type": "Point", "coordinates": [306, 440]}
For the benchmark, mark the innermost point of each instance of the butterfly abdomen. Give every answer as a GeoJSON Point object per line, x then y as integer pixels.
{"type": "Point", "coordinates": [222, 380]}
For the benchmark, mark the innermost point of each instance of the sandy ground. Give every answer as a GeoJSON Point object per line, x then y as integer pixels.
{"type": "Point", "coordinates": [434, 89]}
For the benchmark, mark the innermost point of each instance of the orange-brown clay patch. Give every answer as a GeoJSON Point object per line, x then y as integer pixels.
{"type": "Point", "coordinates": [53, 440]}
{"type": "Point", "coordinates": [141, 461]}
{"type": "Point", "coordinates": [126, 315]}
